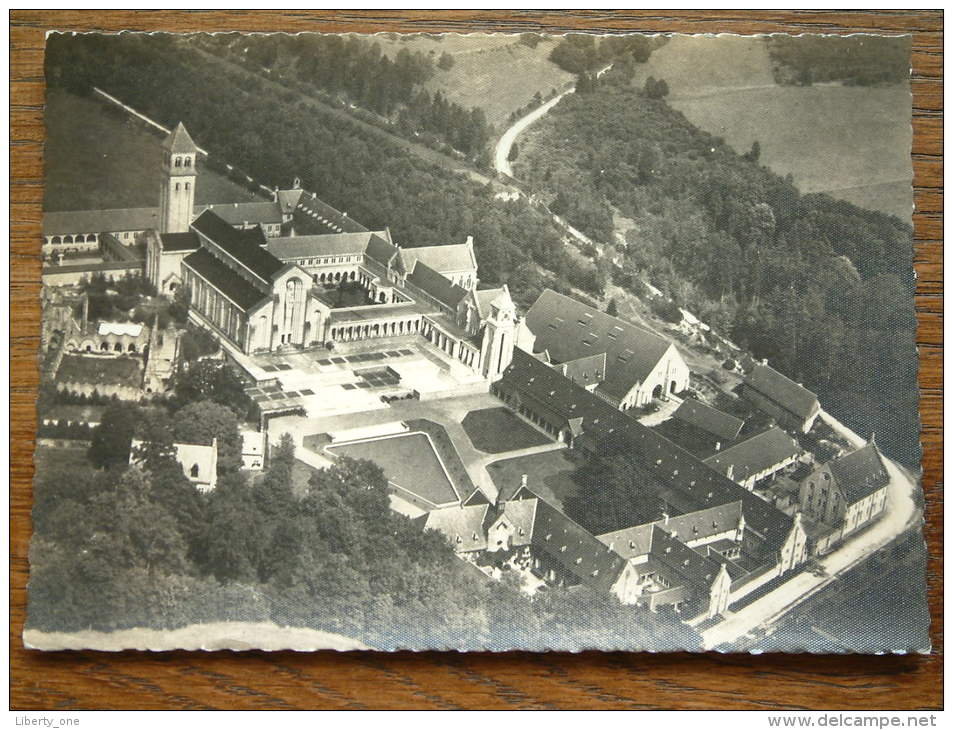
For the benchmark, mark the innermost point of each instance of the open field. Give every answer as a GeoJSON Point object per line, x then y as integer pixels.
{"type": "Point", "coordinates": [549, 475]}
{"type": "Point", "coordinates": [97, 156]}
{"type": "Point", "coordinates": [482, 73]}
{"type": "Point", "coordinates": [819, 134]}
{"type": "Point", "coordinates": [498, 430]}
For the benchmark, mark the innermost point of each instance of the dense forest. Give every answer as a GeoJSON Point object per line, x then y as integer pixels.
{"type": "Point", "coordinates": [357, 70]}
{"type": "Point", "coordinates": [118, 546]}
{"type": "Point", "coordinates": [820, 287]}
{"type": "Point", "coordinates": [585, 53]}
{"type": "Point", "coordinates": [855, 60]}
{"type": "Point", "coordinates": [275, 137]}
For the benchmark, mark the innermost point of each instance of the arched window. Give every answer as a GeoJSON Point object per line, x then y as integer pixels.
{"type": "Point", "coordinates": [293, 304]}
{"type": "Point", "coordinates": [104, 347]}
{"type": "Point", "coordinates": [188, 162]}
{"type": "Point", "coordinates": [187, 186]}
{"type": "Point", "coordinates": [194, 471]}
{"type": "Point", "coordinates": [132, 347]}
{"type": "Point", "coordinates": [178, 162]}
{"type": "Point", "coordinates": [117, 347]}
{"type": "Point", "coordinates": [177, 186]}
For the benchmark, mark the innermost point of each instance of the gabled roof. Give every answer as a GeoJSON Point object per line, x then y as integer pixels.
{"type": "Point", "coordinates": [686, 480]}
{"type": "Point", "coordinates": [569, 544]}
{"type": "Point", "coordinates": [188, 241]}
{"type": "Point", "coordinates": [484, 298]}
{"type": "Point", "coordinates": [755, 455]}
{"type": "Point", "coordinates": [179, 142]}
{"type": "Point", "coordinates": [244, 246]}
{"type": "Point", "coordinates": [381, 251]}
{"type": "Point", "coordinates": [782, 390]}
{"type": "Point", "coordinates": [632, 542]}
{"type": "Point", "coordinates": [238, 289]}
{"type": "Point", "coordinates": [64, 222]}
{"type": "Point", "coordinates": [708, 419]}
{"type": "Point", "coordinates": [465, 527]}
{"type": "Point", "coordinates": [704, 523]}
{"type": "Point", "coordinates": [586, 370]}
{"type": "Point", "coordinates": [436, 285]}
{"type": "Point", "coordinates": [694, 568]}
{"type": "Point", "coordinates": [860, 473]}
{"type": "Point", "coordinates": [445, 259]}
{"type": "Point", "coordinates": [569, 330]}
{"type": "Point", "coordinates": [329, 244]}
{"type": "Point", "coordinates": [189, 456]}
{"type": "Point", "coordinates": [288, 200]}
{"type": "Point", "coordinates": [636, 541]}
{"type": "Point", "coordinates": [240, 214]}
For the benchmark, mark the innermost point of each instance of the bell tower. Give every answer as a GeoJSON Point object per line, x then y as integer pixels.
{"type": "Point", "coordinates": [499, 335]}
{"type": "Point", "coordinates": [177, 197]}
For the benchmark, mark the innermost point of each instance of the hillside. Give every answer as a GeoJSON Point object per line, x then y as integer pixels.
{"type": "Point", "coordinates": [820, 287]}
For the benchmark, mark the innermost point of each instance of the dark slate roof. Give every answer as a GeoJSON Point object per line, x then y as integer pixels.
{"type": "Point", "coordinates": [708, 419]}
{"type": "Point", "coordinates": [446, 258]}
{"type": "Point", "coordinates": [233, 286]}
{"type": "Point", "coordinates": [637, 541]}
{"type": "Point", "coordinates": [671, 556]}
{"type": "Point", "coordinates": [436, 285]}
{"type": "Point", "coordinates": [570, 330]}
{"type": "Point", "coordinates": [188, 241]}
{"type": "Point", "coordinates": [570, 545]}
{"type": "Point", "coordinates": [782, 390]}
{"type": "Point", "coordinates": [328, 244]}
{"type": "Point", "coordinates": [688, 480]}
{"type": "Point", "coordinates": [757, 454]}
{"type": "Point", "coordinates": [380, 250]}
{"type": "Point", "coordinates": [179, 141]}
{"type": "Point", "coordinates": [586, 370]}
{"type": "Point", "coordinates": [239, 214]}
{"type": "Point", "coordinates": [63, 222]}
{"type": "Point", "coordinates": [860, 473]}
{"type": "Point", "coordinates": [245, 246]}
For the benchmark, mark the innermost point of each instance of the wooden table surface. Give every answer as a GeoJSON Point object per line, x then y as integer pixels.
{"type": "Point", "coordinates": [257, 680]}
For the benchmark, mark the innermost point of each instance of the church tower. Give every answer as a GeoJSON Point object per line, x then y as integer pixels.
{"type": "Point", "coordinates": [499, 335]}
{"type": "Point", "coordinates": [177, 198]}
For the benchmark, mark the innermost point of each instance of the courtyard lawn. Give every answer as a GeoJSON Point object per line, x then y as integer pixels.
{"type": "Point", "coordinates": [59, 458]}
{"type": "Point", "coordinates": [548, 474]}
{"type": "Point", "coordinates": [498, 430]}
{"type": "Point", "coordinates": [97, 156]}
{"type": "Point", "coordinates": [448, 454]}
{"type": "Point", "coordinates": [408, 461]}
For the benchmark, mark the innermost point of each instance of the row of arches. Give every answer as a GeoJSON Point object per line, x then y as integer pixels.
{"type": "Point", "coordinates": [333, 277]}
{"type": "Point", "coordinates": [450, 346]}
{"type": "Point", "coordinates": [104, 346]}
{"type": "Point", "coordinates": [347, 333]}
{"type": "Point", "coordinates": [74, 238]}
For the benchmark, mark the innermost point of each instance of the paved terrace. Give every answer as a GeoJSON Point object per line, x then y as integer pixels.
{"type": "Point", "coordinates": [448, 412]}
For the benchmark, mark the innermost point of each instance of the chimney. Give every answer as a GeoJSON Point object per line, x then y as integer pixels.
{"type": "Point", "coordinates": [718, 446]}
{"type": "Point", "coordinates": [764, 361]}
{"type": "Point", "coordinates": [731, 472]}
{"type": "Point", "coordinates": [469, 240]}
{"type": "Point", "coordinates": [665, 516]}
{"type": "Point", "coordinates": [523, 480]}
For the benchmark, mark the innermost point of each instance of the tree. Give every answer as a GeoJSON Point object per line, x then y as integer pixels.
{"type": "Point", "coordinates": [611, 308]}
{"type": "Point", "coordinates": [446, 61]}
{"type": "Point", "coordinates": [214, 381]}
{"type": "Point", "coordinates": [113, 436]}
{"type": "Point", "coordinates": [514, 152]}
{"type": "Point", "coordinates": [202, 421]}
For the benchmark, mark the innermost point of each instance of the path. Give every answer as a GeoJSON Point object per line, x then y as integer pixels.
{"type": "Point", "coordinates": [901, 514]}
{"type": "Point", "coordinates": [501, 162]}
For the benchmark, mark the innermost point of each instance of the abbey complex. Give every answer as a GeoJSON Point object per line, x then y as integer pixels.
{"type": "Point", "coordinates": [360, 345]}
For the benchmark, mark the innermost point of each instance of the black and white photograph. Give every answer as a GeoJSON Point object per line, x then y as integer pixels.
{"type": "Point", "coordinates": [478, 342]}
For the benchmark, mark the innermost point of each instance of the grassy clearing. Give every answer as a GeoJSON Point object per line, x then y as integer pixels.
{"type": "Point", "coordinates": [497, 430]}
{"type": "Point", "coordinates": [98, 157]}
{"type": "Point", "coordinates": [550, 475]}
{"type": "Point", "coordinates": [58, 459]}
{"type": "Point", "coordinates": [484, 72]}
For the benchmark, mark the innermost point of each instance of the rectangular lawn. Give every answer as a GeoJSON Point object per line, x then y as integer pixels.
{"type": "Point", "coordinates": [497, 430]}
{"type": "Point", "coordinates": [408, 461]}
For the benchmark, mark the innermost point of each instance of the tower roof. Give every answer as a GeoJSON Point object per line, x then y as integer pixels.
{"type": "Point", "coordinates": [179, 141]}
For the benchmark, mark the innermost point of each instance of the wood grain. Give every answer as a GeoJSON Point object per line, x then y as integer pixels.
{"type": "Point", "coordinates": [256, 680]}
